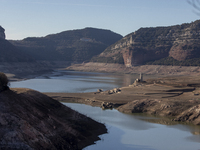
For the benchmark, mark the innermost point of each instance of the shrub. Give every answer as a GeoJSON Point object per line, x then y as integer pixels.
{"type": "Point", "coordinates": [3, 81]}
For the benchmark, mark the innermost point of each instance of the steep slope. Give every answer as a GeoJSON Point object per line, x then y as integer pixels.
{"type": "Point", "coordinates": [74, 45]}
{"type": "Point", "coordinates": [31, 120]}
{"type": "Point", "coordinates": [10, 53]}
{"type": "Point", "coordinates": [2, 33]}
{"type": "Point", "coordinates": [180, 42]}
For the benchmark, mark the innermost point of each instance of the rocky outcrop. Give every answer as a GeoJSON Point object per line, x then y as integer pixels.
{"type": "Point", "coordinates": [149, 106]}
{"type": "Point", "coordinates": [183, 111]}
{"type": "Point", "coordinates": [2, 33]}
{"type": "Point", "coordinates": [178, 52]}
{"type": "Point", "coordinates": [180, 42]}
{"type": "Point", "coordinates": [113, 91]}
{"type": "Point", "coordinates": [31, 120]}
{"type": "Point", "coordinates": [191, 115]}
{"type": "Point", "coordinates": [105, 105]}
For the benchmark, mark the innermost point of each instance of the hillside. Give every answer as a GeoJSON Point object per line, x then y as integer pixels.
{"type": "Point", "coordinates": [74, 45]}
{"type": "Point", "coordinates": [173, 45]}
{"type": "Point", "coordinates": [10, 53]}
{"type": "Point", "coordinates": [31, 120]}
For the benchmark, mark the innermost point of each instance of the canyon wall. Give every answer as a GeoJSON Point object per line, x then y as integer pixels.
{"type": "Point", "coordinates": [181, 42]}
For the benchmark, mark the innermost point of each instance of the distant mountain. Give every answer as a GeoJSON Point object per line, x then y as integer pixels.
{"type": "Point", "coordinates": [173, 45]}
{"type": "Point", "coordinates": [74, 45]}
{"type": "Point", "coordinates": [10, 53]}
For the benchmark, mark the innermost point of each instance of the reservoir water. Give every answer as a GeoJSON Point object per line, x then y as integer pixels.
{"type": "Point", "coordinates": [73, 81]}
{"type": "Point", "coordinates": [125, 132]}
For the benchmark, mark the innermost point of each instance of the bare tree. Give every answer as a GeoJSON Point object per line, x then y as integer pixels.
{"type": "Point", "coordinates": [196, 5]}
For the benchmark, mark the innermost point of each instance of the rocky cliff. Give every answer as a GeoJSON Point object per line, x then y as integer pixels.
{"type": "Point", "coordinates": [9, 52]}
{"type": "Point", "coordinates": [2, 33]}
{"type": "Point", "coordinates": [180, 42]}
{"type": "Point", "coordinates": [74, 45]}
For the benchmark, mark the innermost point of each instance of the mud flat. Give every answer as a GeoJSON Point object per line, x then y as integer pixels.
{"type": "Point", "coordinates": [176, 97]}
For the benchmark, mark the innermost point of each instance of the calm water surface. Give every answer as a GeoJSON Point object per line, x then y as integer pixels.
{"type": "Point", "coordinates": [125, 132]}
{"type": "Point", "coordinates": [73, 81]}
{"type": "Point", "coordinates": [132, 132]}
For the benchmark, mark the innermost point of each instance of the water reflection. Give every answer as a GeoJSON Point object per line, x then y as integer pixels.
{"type": "Point", "coordinates": [132, 132]}
{"type": "Point", "coordinates": [125, 131]}
{"type": "Point", "coordinates": [114, 140]}
{"type": "Point", "coordinates": [75, 82]}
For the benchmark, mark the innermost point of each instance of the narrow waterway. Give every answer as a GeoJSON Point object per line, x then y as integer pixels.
{"type": "Point", "coordinates": [125, 131]}
{"type": "Point", "coordinates": [133, 132]}
{"type": "Point", "coordinates": [76, 82]}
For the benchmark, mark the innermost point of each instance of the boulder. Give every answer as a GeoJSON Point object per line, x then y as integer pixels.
{"type": "Point", "coordinates": [99, 90]}
{"type": "Point", "coordinates": [105, 105]}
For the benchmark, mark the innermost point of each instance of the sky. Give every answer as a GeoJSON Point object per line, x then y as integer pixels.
{"type": "Point", "coordinates": [38, 18]}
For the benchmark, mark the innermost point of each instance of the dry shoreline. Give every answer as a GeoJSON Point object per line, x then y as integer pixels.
{"type": "Point", "coordinates": [174, 97]}
{"type": "Point", "coordinates": [175, 94]}
{"type": "Point", "coordinates": [159, 70]}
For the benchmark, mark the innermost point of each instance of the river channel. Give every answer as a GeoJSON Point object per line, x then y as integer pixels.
{"type": "Point", "coordinates": [125, 131]}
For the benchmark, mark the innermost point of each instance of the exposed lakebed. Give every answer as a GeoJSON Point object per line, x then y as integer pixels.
{"type": "Point", "coordinates": [124, 131]}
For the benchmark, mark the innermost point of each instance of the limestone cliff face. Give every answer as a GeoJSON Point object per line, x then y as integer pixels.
{"type": "Point", "coordinates": [149, 44]}
{"type": "Point", "coordinates": [177, 51]}
{"type": "Point", "coordinates": [2, 33]}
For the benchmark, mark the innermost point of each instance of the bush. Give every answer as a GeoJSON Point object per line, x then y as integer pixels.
{"type": "Point", "coordinates": [3, 81]}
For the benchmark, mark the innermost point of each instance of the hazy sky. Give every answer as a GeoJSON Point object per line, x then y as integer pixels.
{"type": "Point", "coordinates": [27, 18]}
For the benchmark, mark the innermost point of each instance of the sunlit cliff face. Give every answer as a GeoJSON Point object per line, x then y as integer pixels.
{"type": "Point", "coordinates": [180, 42]}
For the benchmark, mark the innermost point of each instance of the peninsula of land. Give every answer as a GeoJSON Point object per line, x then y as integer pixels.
{"type": "Point", "coordinates": [31, 120]}
{"type": "Point", "coordinates": [175, 97]}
